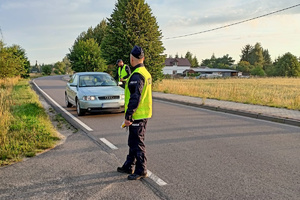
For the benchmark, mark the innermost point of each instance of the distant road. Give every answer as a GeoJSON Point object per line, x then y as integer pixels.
{"type": "Point", "coordinates": [202, 154]}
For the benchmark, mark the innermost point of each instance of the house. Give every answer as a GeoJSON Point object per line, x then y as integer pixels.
{"type": "Point", "coordinates": [212, 71]}
{"type": "Point", "coordinates": [176, 65]}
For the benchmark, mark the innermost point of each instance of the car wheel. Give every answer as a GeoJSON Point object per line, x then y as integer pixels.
{"type": "Point", "coordinates": [80, 112]}
{"type": "Point", "coordinates": [68, 104]}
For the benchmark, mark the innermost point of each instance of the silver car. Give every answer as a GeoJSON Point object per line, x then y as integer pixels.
{"type": "Point", "coordinates": [94, 92]}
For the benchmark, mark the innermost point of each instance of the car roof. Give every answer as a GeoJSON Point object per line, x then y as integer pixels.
{"type": "Point", "coordinates": [90, 73]}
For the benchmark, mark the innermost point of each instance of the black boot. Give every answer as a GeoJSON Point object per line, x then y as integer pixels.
{"type": "Point", "coordinates": [137, 176]}
{"type": "Point", "coordinates": [125, 171]}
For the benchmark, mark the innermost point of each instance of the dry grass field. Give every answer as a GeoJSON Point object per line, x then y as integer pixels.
{"type": "Point", "coordinates": [275, 92]}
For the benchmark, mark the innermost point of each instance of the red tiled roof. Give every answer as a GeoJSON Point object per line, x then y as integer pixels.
{"type": "Point", "coordinates": [180, 62]}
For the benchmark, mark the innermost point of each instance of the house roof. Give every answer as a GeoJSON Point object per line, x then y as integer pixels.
{"type": "Point", "coordinates": [213, 70]}
{"type": "Point", "coordinates": [180, 62]}
{"type": "Point", "coordinates": [206, 70]}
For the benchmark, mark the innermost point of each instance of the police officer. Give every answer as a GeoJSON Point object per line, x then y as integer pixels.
{"type": "Point", "coordinates": [138, 109]}
{"type": "Point", "coordinates": [123, 72]}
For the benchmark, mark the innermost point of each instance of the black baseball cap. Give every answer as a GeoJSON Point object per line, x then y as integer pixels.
{"type": "Point", "coordinates": [137, 52]}
{"type": "Point", "coordinates": [119, 60]}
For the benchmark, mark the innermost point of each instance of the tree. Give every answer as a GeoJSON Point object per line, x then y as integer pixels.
{"type": "Point", "coordinates": [59, 68]}
{"type": "Point", "coordinates": [189, 56]}
{"type": "Point", "coordinates": [132, 23]}
{"type": "Point", "coordinates": [288, 65]}
{"type": "Point", "coordinates": [24, 64]}
{"type": "Point", "coordinates": [258, 71]}
{"type": "Point", "coordinates": [246, 51]}
{"type": "Point", "coordinates": [193, 60]}
{"type": "Point", "coordinates": [267, 57]}
{"type": "Point", "coordinates": [256, 55]}
{"type": "Point", "coordinates": [270, 70]}
{"type": "Point", "coordinates": [86, 56]}
{"type": "Point", "coordinates": [68, 67]}
{"type": "Point", "coordinates": [245, 67]}
{"type": "Point", "coordinates": [99, 31]}
{"type": "Point", "coordinates": [223, 62]}
{"type": "Point", "coordinates": [47, 69]}
{"type": "Point", "coordinates": [13, 61]}
{"type": "Point", "coordinates": [226, 60]}
{"type": "Point", "coordinates": [206, 62]}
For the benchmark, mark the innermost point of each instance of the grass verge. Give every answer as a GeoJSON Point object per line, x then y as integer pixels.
{"type": "Point", "coordinates": [25, 127]}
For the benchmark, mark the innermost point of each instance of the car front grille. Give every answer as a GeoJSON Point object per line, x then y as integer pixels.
{"type": "Point", "coordinates": [109, 97]}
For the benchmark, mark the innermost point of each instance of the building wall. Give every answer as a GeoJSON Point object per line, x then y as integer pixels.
{"type": "Point", "coordinates": [174, 69]}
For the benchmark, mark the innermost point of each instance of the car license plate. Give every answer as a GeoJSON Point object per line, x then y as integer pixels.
{"type": "Point", "coordinates": [110, 105]}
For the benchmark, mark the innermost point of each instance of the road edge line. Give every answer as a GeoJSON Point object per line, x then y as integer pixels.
{"type": "Point", "coordinates": [61, 108]}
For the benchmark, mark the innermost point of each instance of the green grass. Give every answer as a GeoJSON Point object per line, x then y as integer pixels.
{"type": "Point", "coordinates": [29, 129]}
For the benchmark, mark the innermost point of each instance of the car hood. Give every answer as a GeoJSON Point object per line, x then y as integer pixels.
{"type": "Point", "coordinates": [101, 91]}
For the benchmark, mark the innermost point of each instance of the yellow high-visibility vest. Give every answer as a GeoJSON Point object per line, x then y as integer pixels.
{"type": "Point", "coordinates": [144, 109]}
{"type": "Point", "coordinates": [122, 73]}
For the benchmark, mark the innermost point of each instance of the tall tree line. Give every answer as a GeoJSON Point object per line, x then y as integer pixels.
{"type": "Point", "coordinates": [257, 61]}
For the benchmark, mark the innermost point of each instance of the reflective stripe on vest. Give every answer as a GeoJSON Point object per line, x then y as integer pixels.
{"type": "Point", "coordinates": [123, 73]}
{"type": "Point", "coordinates": [144, 110]}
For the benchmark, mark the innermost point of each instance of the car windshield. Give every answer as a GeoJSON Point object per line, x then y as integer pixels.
{"type": "Point", "coordinates": [96, 80]}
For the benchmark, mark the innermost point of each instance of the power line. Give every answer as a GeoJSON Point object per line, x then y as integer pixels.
{"type": "Point", "coordinates": [225, 26]}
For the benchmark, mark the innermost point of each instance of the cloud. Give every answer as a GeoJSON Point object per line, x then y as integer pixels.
{"type": "Point", "coordinates": [195, 13]}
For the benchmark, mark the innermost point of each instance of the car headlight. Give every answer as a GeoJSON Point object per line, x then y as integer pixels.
{"type": "Point", "coordinates": [122, 96]}
{"type": "Point", "coordinates": [89, 98]}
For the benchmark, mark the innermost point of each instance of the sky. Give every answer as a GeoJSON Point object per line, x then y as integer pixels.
{"type": "Point", "coordinates": [47, 29]}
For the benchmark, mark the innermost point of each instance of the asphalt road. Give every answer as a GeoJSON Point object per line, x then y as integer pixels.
{"type": "Point", "coordinates": [195, 153]}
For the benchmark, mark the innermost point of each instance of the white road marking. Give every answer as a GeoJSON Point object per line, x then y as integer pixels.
{"type": "Point", "coordinates": [108, 143]}
{"type": "Point", "coordinates": [152, 176]}
{"type": "Point", "coordinates": [156, 179]}
{"type": "Point", "coordinates": [64, 110]}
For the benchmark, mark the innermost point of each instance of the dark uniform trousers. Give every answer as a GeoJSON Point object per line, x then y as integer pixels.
{"type": "Point", "coordinates": [137, 150]}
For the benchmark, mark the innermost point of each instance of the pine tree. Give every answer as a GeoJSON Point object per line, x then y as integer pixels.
{"type": "Point", "coordinates": [99, 31]}
{"type": "Point", "coordinates": [256, 55]}
{"type": "Point", "coordinates": [189, 56]}
{"type": "Point", "coordinates": [195, 62]}
{"type": "Point", "coordinates": [246, 53]}
{"type": "Point", "coordinates": [267, 57]}
{"type": "Point", "coordinates": [132, 23]}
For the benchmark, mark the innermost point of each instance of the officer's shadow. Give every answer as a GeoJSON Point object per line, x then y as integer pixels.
{"type": "Point", "coordinates": [65, 184]}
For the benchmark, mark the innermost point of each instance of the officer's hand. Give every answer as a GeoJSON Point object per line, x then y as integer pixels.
{"type": "Point", "coordinates": [127, 122]}
{"type": "Point", "coordinates": [121, 79]}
